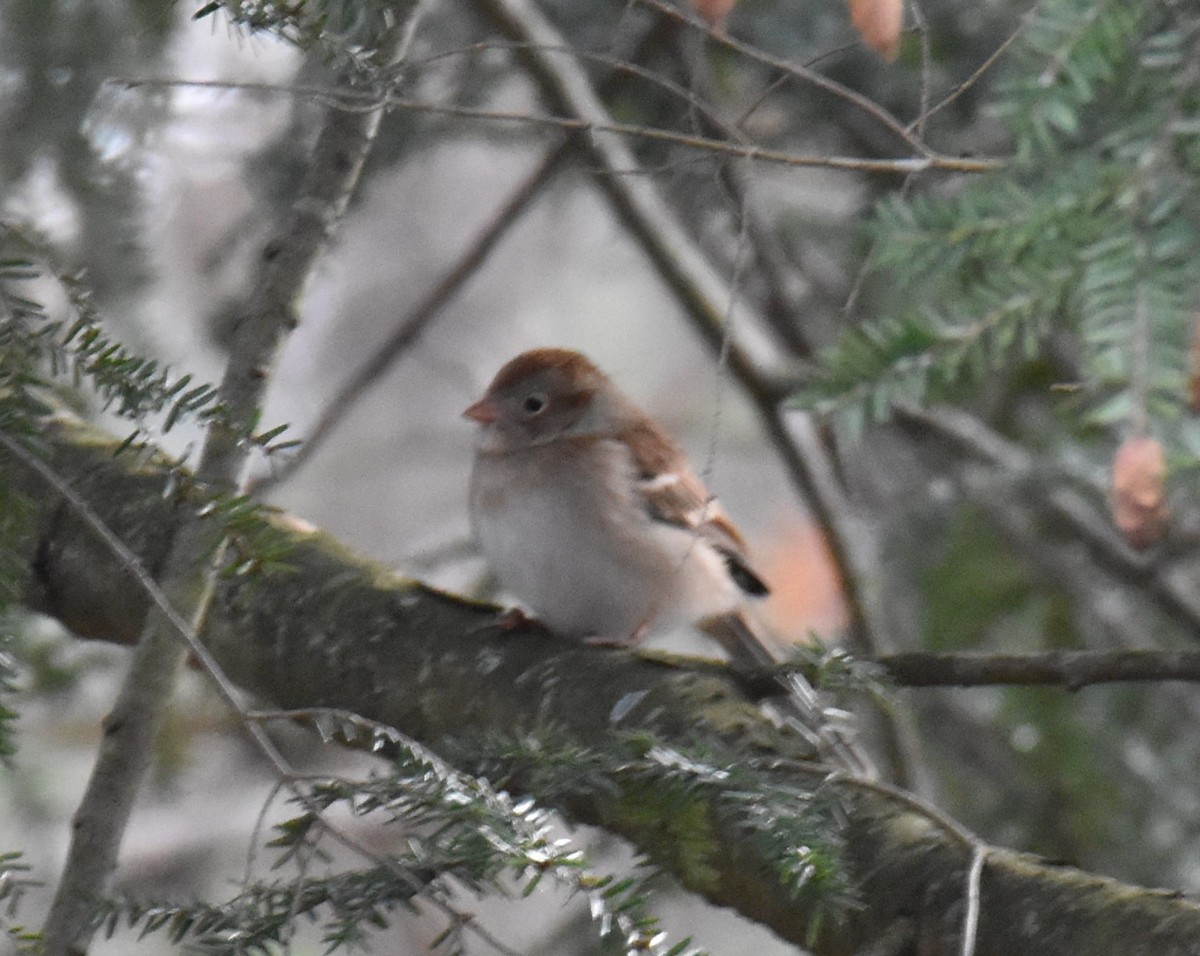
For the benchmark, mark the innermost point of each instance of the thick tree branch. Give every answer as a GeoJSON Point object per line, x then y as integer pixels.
{"type": "Point", "coordinates": [337, 631]}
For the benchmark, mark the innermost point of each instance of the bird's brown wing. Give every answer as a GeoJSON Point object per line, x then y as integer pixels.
{"type": "Point", "coordinates": [674, 495]}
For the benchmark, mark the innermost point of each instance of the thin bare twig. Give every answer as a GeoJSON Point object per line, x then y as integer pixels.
{"type": "Point", "coordinates": [782, 78]}
{"type": "Point", "coordinates": [803, 73]}
{"type": "Point", "coordinates": [131, 562]}
{"type": "Point", "coordinates": [976, 76]}
{"type": "Point", "coordinates": [349, 101]}
{"type": "Point", "coordinates": [1071, 670]}
{"type": "Point", "coordinates": [913, 802]}
{"type": "Point", "coordinates": [971, 917]}
{"type": "Point", "coordinates": [1140, 368]}
{"type": "Point", "coordinates": [780, 307]}
{"type": "Point", "coordinates": [418, 318]}
{"type": "Point", "coordinates": [917, 127]}
{"type": "Point", "coordinates": [979, 848]}
{"type": "Point", "coordinates": [799, 442]}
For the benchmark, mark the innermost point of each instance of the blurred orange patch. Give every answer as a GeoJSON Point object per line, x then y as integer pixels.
{"type": "Point", "coordinates": [1138, 490]}
{"type": "Point", "coordinates": [714, 12]}
{"type": "Point", "coordinates": [878, 23]}
{"type": "Point", "coordinates": [806, 593]}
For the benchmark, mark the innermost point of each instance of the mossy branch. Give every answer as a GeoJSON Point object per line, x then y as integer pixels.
{"type": "Point", "coordinates": [338, 631]}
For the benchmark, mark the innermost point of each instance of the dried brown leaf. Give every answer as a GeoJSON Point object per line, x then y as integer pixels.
{"type": "Point", "coordinates": [1138, 490]}
{"type": "Point", "coordinates": [878, 22]}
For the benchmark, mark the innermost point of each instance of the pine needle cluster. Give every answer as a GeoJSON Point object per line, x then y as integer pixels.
{"type": "Point", "coordinates": [685, 795]}
{"type": "Point", "coordinates": [1089, 234]}
{"type": "Point", "coordinates": [453, 829]}
{"type": "Point", "coordinates": [344, 33]}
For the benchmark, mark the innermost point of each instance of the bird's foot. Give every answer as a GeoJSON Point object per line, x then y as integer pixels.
{"type": "Point", "coordinates": [514, 619]}
{"type": "Point", "coordinates": [624, 643]}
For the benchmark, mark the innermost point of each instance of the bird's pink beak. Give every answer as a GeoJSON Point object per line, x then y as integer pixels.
{"type": "Point", "coordinates": [484, 411]}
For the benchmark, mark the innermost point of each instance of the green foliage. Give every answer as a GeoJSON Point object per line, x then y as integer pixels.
{"type": "Point", "coordinates": [831, 667]}
{"type": "Point", "coordinates": [254, 545]}
{"type": "Point", "coordinates": [25, 336]}
{"type": "Point", "coordinates": [13, 884]}
{"type": "Point", "coordinates": [264, 914]}
{"type": "Point", "coordinates": [22, 333]}
{"type": "Point", "coordinates": [1091, 231]}
{"type": "Point", "coordinates": [35, 348]}
{"type": "Point", "coordinates": [678, 799]}
{"type": "Point", "coordinates": [454, 826]}
{"type": "Point", "coordinates": [347, 34]}
{"type": "Point", "coordinates": [1073, 59]}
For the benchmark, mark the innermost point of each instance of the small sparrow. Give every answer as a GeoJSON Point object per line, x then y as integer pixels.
{"type": "Point", "coordinates": [592, 515]}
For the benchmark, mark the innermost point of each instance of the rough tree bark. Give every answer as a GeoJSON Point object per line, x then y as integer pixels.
{"type": "Point", "coordinates": [339, 631]}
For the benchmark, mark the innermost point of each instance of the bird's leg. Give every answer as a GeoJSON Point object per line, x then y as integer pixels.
{"type": "Point", "coordinates": [634, 638]}
{"type": "Point", "coordinates": [514, 619]}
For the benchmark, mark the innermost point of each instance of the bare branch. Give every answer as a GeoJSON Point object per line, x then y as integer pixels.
{"type": "Point", "coordinates": [975, 77]}
{"type": "Point", "coordinates": [1068, 669]}
{"type": "Point", "coordinates": [351, 102]}
{"type": "Point", "coordinates": [971, 918]}
{"type": "Point", "coordinates": [799, 72]}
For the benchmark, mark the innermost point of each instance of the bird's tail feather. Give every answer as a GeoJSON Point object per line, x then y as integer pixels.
{"type": "Point", "coordinates": [830, 730]}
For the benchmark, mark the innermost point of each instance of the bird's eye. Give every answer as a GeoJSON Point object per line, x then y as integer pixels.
{"type": "Point", "coordinates": [534, 404]}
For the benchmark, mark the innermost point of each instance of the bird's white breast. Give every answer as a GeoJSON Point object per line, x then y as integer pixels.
{"type": "Point", "coordinates": [564, 529]}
